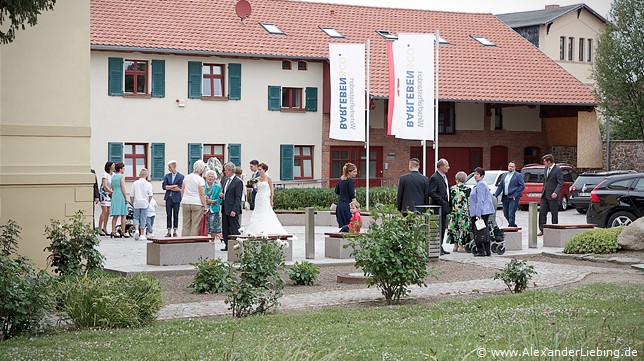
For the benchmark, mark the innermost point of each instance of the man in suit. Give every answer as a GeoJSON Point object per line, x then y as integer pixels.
{"type": "Point", "coordinates": [232, 189]}
{"type": "Point", "coordinates": [553, 181]}
{"type": "Point", "coordinates": [255, 174]}
{"type": "Point", "coordinates": [413, 189]}
{"type": "Point", "coordinates": [172, 183]}
{"type": "Point", "coordinates": [511, 186]}
{"type": "Point", "coordinates": [439, 194]}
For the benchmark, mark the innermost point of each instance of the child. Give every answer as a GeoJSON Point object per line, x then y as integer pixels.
{"type": "Point", "coordinates": [152, 212]}
{"type": "Point", "coordinates": [356, 221]}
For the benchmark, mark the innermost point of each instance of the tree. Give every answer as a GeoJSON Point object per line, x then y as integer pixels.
{"type": "Point", "coordinates": [619, 69]}
{"type": "Point", "coordinates": [19, 12]}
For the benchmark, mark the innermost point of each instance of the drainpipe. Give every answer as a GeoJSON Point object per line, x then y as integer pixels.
{"type": "Point", "coordinates": [607, 141]}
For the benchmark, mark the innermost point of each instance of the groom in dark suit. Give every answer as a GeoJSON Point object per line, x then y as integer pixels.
{"type": "Point", "coordinates": [232, 189]}
{"type": "Point", "coordinates": [439, 194]}
{"type": "Point", "coordinates": [553, 181]}
{"type": "Point", "coordinates": [413, 189]}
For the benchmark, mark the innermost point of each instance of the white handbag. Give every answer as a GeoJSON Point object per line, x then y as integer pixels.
{"type": "Point", "coordinates": [480, 224]}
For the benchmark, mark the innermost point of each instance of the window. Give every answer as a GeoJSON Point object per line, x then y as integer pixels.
{"type": "Point", "coordinates": [286, 65]}
{"type": "Point", "coordinates": [213, 151]}
{"type": "Point", "coordinates": [136, 157]}
{"type": "Point", "coordinates": [446, 118]}
{"type": "Point", "coordinates": [531, 155]}
{"type": "Point", "coordinates": [483, 40]}
{"type": "Point", "coordinates": [340, 155]}
{"type": "Point", "coordinates": [639, 187]}
{"type": "Point", "coordinates": [590, 50]}
{"type": "Point", "coordinates": [136, 76]}
{"type": "Point", "coordinates": [498, 118]}
{"type": "Point", "coordinates": [387, 35]}
{"type": "Point", "coordinates": [331, 32]}
{"type": "Point", "coordinates": [292, 98]}
{"type": "Point", "coordinates": [213, 80]}
{"type": "Point", "coordinates": [272, 28]}
{"type": "Point", "coordinates": [301, 65]}
{"type": "Point", "coordinates": [303, 162]}
{"type": "Point", "coordinates": [571, 45]}
{"type": "Point", "coordinates": [562, 48]}
{"type": "Point", "coordinates": [581, 49]}
{"type": "Point", "coordinates": [622, 185]}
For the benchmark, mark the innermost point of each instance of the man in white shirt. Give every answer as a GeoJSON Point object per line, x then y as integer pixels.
{"type": "Point", "coordinates": [140, 197]}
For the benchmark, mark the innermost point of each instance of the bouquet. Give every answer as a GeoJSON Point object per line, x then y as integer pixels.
{"type": "Point", "coordinates": [251, 182]}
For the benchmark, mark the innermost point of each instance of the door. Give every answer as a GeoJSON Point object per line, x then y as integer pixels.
{"type": "Point", "coordinates": [340, 155]}
{"type": "Point", "coordinates": [498, 157]}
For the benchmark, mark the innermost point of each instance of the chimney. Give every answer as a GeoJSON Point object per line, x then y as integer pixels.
{"type": "Point", "coordinates": [554, 6]}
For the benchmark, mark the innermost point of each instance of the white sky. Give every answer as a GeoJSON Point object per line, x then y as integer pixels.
{"type": "Point", "coordinates": [479, 6]}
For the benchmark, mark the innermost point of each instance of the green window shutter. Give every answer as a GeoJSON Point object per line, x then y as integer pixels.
{"type": "Point", "coordinates": [234, 81]}
{"type": "Point", "coordinates": [158, 161]}
{"type": "Point", "coordinates": [234, 154]}
{"type": "Point", "coordinates": [115, 76]}
{"type": "Point", "coordinates": [158, 78]}
{"type": "Point", "coordinates": [311, 99]}
{"type": "Point", "coordinates": [194, 80]}
{"type": "Point", "coordinates": [195, 153]}
{"type": "Point", "coordinates": [286, 163]}
{"type": "Point", "coordinates": [274, 97]}
{"type": "Point", "coordinates": [115, 152]}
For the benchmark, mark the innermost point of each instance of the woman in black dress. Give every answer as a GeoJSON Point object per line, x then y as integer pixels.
{"type": "Point", "coordinates": [347, 192]}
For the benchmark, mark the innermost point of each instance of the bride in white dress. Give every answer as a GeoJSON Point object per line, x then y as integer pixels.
{"type": "Point", "coordinates": [263, 219]}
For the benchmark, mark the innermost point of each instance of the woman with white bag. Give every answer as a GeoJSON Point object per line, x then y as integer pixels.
{"type": "Point", "coordinates": [481, 207]}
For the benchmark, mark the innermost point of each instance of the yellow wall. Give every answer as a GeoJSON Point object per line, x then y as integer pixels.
{"type": "Point", "coordinates": [44, 124]}
{"type": "Point", "coordinates": [589, 148]}
{"type": "Point", "coordinates": [561, 131]}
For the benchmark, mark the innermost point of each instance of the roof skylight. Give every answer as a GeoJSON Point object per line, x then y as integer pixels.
{"type": "Point", "coordinates": [331, 32]}
{"type": "Point", "coordinates": [272, 28]}
{"type": "Point", "coordinates": [441, 40]}
{"type": "Point", "coordinates": [483, 40]}
{"type": "Point", "coordinates": [387, 35]}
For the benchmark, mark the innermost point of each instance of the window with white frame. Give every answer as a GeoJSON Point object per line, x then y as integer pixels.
{"type": "Point", "coordinates": [303, 162]}
{"type": "Point", "coordinates": [135, 156]}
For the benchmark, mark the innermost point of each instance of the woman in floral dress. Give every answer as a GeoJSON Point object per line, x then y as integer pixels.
{"type": "Point", "coordinates": [458, 229]}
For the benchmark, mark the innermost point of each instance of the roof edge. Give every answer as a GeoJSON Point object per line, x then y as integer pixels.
{"type": "Point", "coordinates": [500, 101]}
{"type": "Point", "coordinates": [572, 8]}
{"type": "Point", "coordinates": [224, 54]}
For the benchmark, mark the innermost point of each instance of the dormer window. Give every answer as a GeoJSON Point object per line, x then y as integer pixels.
{"type": "Point", "coordinates": [272, 29]}
{"type": "Point", "coordinates": [483, 40]}
{"type": "Point", "coordinates": [387, 35]}
{"type": "Point", "coordinates": [441, 40]}
{"type": "Point", "coordinates": [331, 32]}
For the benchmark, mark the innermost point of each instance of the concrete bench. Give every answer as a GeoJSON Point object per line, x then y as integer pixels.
{"type": "Point", "coordinates": [162, 251]}
{"type": "Point", "coordinates": [513, 238]}
{"type": "Point", "coordinates": [556, 235]}
{"type": "Point", "coordinates": [322, 218]}
{"type": "Point", "coordinates": [233, 240]}
{"type": "Point", "coordinates": [334, 243]}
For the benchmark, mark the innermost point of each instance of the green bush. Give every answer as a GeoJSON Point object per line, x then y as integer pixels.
{"type": "Point", "coordinates": [322, 198]}
{"type": "Point", "coordinates": [599, 240]}
{"type": "Point", "coordinates": [303, 273]}
{"type": "Point", "coordinates": [515, 275]}
{"type": "Point", "coordinates": [24, 293]}
{"type": "Point", "coordinates": [103, 300]}
{"type": "Point", "coordinates": [73, 246]}
{"type": "Point", "coordinates": [213, 276]}
{"type": "Point", "coordinates": [256, 281]}
{"type": "Point", "coordinates": [392, 252]}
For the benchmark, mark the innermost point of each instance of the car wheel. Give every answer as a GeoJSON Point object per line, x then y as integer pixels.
{"type": "Point", "coordinates": [564, 204]}
{"type": "Point", "coordinates": [620, 219]}
{"type": "Point", "coordinates": [582, 210]}
{"type": "Point", "coordinates": [523, 207]}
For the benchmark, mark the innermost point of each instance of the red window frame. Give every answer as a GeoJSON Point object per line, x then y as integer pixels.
{"type": "Point", "coordinates": [134, 173]}
{"type": "Point", "coordinates": [209, 152]}
{"type": "Point", "coordinates": [135, 73]}
{"type": "Point", "coordinates": [210, 78]}
{"type": "Point", "coordinates": [356, 155]}
{"type": "Point", "coordinates": [298, 156]}
{"type": "Point", "coordinates": [290, 93]}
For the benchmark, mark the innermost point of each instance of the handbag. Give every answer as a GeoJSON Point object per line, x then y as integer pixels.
{"type": "Point", "coordinates": [203, 225]}
{"type": "Point", "coordinates": [480, 224]}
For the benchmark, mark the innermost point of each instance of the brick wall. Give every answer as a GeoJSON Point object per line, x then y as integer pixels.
{"type": "Point", "coordinates": [626, 154]}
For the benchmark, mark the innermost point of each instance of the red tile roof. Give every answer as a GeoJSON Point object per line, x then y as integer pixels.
{"type": "Point", "coordinates": [513, 71]}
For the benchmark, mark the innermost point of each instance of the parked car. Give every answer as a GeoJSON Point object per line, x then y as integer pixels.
{"type": "Point", "coordinates": [580, 190]}
{"type": "Point", "coordinates": [492, 178]}
{"type": "Point", "coordinates": [617, 201]}
{"type": "Point", "coordinates": [533, 176]}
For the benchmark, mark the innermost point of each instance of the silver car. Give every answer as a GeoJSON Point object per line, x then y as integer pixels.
{"type": "Point", "coordinates": [493, 179]}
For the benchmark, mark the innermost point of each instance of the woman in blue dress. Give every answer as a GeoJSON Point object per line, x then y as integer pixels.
{"type": "Point", "coordinates": [119, 205]}
{"type": "Point", "coordinates": [347, 192]}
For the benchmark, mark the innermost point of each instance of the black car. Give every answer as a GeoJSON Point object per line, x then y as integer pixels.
{"type": "Point", "coordinates": [580, 189]}
{"type": "Point", "coordinates": [617, 201]}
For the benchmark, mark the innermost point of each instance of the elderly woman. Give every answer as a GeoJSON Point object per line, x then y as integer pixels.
{"type": "Point", "coordinates": [481, 207]}
{"type": "Point", "coordinates": [193, 200]}
{"type": "Point", "coordinates": [458, 231]}
{"type": "Point", "coordinates": [212, 191]}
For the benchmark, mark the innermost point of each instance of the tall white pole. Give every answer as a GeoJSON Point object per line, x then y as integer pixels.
{"type": "Point", "coordinates": [437, 46]}
{"type": "Point", "coordinates": [368, 100]}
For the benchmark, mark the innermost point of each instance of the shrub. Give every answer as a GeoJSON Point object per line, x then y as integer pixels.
{"type": "Point", "coordinates": [256, 282]}
{"type": "Point", "coordinates": [25, 293]}
{"type": "Point", "coordinates": [599, 240]}
{"type": "Point", "coordinates": [72, 247]}
{"type": "Point", "coordinates": [322, 198]}
{"type": "Point", "coordinates": [303, 273]}
{"type": "Point", "coordinates": [392, 252]}
{"type": "Point", "coordinates": [213, 276]}
{"type": "Point", "coordinates": [515, 275]}
{"type": "Point", "coordinates": [103, 300]}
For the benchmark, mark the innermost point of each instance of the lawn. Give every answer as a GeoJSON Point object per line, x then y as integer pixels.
{"type": "Point", "coordinates": [595, 317]}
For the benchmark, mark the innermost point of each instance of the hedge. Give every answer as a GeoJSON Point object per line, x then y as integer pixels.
{"type": "Point", "coordinates": [322, 198]}
{"type": "Point", "coordinates": [598, 241]}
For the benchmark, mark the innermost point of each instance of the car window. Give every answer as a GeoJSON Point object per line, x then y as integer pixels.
{"type": "Point", "coordinates": [639, 186]}
{"type": "Point", "coordinates": [588, 180]}
{"type": "Point", "coordinates": [532, 175]}
{"type": "Point", "coordinates": [567, 176]}
{"type": "Point", "coordinates": [622, 185]}
{"type": "Point", "coordinates": [489, 178]}
{"type": "Point", "coordinates": [574, 175]}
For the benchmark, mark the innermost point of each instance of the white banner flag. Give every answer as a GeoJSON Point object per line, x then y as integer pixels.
{"type": "Point", "coordinates": [347, 71]}
{"type": "Point", "coordinates": [411, 87]}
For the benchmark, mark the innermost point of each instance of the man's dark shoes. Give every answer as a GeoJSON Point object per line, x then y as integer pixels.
{"type": "Point", "coordinates": [224, 249]}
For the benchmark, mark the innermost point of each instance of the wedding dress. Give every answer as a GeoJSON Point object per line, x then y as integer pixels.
{"type": "Point", "coordinates": [263, 218]}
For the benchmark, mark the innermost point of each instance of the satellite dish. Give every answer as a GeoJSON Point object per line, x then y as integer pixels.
{"type": "Point", "coordinates": [242, 8]}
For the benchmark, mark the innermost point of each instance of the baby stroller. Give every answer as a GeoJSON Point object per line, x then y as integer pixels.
{"type": "Point", "coordinates": [496, 238]}
{"type": "Point", "coordinates": [129, 222]}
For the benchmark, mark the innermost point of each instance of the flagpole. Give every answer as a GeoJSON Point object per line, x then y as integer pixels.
{"type": "Point", "coordinates": [437, 45]}
{"type": "Point", "coordinates": [368, 100]}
